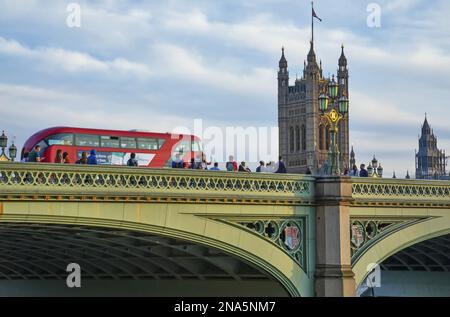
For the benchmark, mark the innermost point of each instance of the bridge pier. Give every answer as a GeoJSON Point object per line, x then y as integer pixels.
{"type": "Point", "coordinates": [334, 276]}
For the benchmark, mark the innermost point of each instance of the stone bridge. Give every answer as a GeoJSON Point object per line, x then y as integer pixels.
{"type": "Point", "coordinates": [164, 232]}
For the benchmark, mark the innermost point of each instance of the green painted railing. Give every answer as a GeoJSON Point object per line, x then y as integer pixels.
{"type": "Point", "coordinates": [392, 190]}
{"type": "Point", "coordinates": [57, 179]}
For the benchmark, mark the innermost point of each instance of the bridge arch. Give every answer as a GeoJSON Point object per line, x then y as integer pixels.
{"type": "Point", "coordinates": [435, 225]}
{"type": "Point", "coordinates": [202, 225]}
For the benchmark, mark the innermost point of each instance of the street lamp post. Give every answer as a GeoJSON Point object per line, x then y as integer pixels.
{"type": "Point", "coordinates": [3, 145]}
{"type": "Point", "coordinates": [338, 109]}
{"type": "Point", "coordinates": [375, 169]}
{"type": "Point", "coordinates": [12, 149]}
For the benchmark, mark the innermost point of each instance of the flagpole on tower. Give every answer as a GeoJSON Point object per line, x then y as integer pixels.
{"type": "Point", "coordinates": [312, 22]}
{"type": "Point", "coordinates": [313, 15]}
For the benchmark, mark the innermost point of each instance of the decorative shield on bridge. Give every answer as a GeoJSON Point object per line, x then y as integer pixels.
{"type": "Point", "coordinates": [357, 235]}
{"type": "Point", "coordinates": [292, 238]}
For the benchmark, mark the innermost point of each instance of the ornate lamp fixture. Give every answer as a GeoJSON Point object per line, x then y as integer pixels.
{"type": "Point", "coordinates": [3, 145]}
{"type": "Point", "coordinates": [12, 149]}
{"type": "Point", "coordinates": [375, 169]}
{"type": "Point", "coordinates": [339, 108]}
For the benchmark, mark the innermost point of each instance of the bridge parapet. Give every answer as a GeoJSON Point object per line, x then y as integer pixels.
{"type": "Point", "coordinates": [56, 181]}
{"type": "Point", "coordinates": [406, 192]}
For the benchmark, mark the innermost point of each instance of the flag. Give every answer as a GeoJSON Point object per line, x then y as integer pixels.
{"type": "Point", "coordinates": [315, 15]}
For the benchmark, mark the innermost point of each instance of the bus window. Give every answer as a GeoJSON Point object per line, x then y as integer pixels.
{"type": "Point", "coordinates": [60, 139]}
{"type": "Point", "coordinates": [109, 141]}
{"type": "Point", "coordinates": [196, 146]}
{"type": "Point", "coordinates": [87, 140]}
{"type": "Point", "coordinates": [161, 143]}
{"type": "Point", "coordinates": [128, 143]}
{"type": "Point", "coordinates": [150, 144]}
{"type": "Point", "coordinates": [181, 148]}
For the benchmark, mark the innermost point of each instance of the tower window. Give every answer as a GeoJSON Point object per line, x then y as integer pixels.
{"type": "Point", "coordinates": [327, 138]}
{"type": "Point", "coordinates": [291, 139]}
{"type": "Point", "coordinates": [297, 138]}
{"type": "Point", "coordinates": [321, 138]}
{"type": "Point", "coordinates": [303, 138]}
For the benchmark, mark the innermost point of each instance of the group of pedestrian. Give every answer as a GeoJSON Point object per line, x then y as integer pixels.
{"type": "Point", "coordinates": [230, 166]}
{"type": "Point", "coordinates": [361, 173]}
{"type": "Point", "coordinates": [200, 163]}
{"type": "Point", "coordinates": [88, 160]}
{"type": "Point", "coordinates": [61, 157]}
{"type": "Point", "coordinates": [272, 167]}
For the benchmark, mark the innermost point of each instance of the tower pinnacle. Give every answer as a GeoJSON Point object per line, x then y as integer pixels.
{"type": "Point", "coordinates": [311, 54]}
{"type": "Point", "coordinates": [283, 61]}
{"type": "Point", "coordinates": [426, 126]}
{"type": "Point", "coordinates": [342, 59]}
{"type": "Point", "coordinates": [352, 158]}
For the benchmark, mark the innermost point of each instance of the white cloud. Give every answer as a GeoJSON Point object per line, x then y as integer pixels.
{"type": "Point", "coordinates": [397, 6]}
{"type": "Point", "coordinates": [13, 48]}
{"type": "Point", "coordinates": [179, 62]}
{"type": "Point", "coordinates": [72, 61]}
{"type": "Point", "coordinates": [366, 108]}
{"type": "Point", "coordinates": [260, 32]}
{"type": "Point", "coordinates": [265, 34]}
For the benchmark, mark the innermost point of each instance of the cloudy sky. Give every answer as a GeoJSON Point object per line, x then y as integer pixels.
{"type": "Point", "coordinates": [158, 65]}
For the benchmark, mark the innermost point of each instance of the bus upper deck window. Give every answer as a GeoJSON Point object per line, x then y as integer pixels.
{"type": "Point", "coordinates": [87, 140]}
{"type": "Point", "coordinates": [109, 141]}
{"type": "Point", "coordinates": [128, 143]}
{"type": "Point", "coordinates": [148, 144]}
{"type": "Point", "coordinates": [60, 139]}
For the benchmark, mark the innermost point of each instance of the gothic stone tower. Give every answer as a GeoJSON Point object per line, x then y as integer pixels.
{"type": "Point", "coordinates": [303, 135]}
{"type": "Point", "coordinates": [430, 161]}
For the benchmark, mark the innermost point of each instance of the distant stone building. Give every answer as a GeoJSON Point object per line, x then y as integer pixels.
{"type": "Point", "coordinates": [430, 161]}
{"type": "Point", "coordinates": [303, 135]}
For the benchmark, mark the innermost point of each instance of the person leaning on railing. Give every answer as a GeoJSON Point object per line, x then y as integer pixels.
{"type": "Point", "coordinates": [59, 157]}
{"type": "Point", "coordinates": [132, 161]}
{"type": "Point", "coordinates": [280, 166]}
{"type": "Point", "coordinates": [66, 159]}
{"type": "Point", "coordinates": [215, 168]}
{"type": "Point", "coordinates": [354, 172]}
{"type": "Point", "coordinates": [363, 172]}
{"type": "Point", "coordinates": [178, 162]}
{"type": "Point", "coordinates": [83, 159]}
{"type": "Point", "coordinates": [243, 168]}
{"type": "Point", "coordinates": [231, 165]}
{"type": "Point", "coordinates": [25, 157]}
{"type": "Point", "coordinates": [34, 156]}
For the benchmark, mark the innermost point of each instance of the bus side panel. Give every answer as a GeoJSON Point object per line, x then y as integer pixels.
{"type": "Point", "coordinates": [164, 153]}
{"type": "Point", "coordinates": [49, 154]}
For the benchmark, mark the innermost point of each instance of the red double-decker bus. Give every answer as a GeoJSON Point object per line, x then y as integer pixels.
{"type": "Point", "coordinates": [114, 147]}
